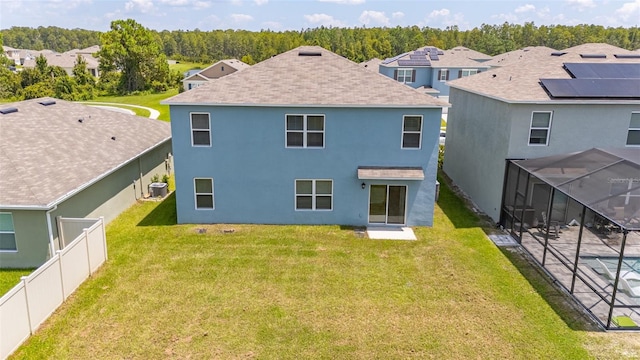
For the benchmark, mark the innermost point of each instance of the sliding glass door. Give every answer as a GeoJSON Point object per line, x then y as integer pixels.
{"type": "Point", "coordinates": [387, 204]}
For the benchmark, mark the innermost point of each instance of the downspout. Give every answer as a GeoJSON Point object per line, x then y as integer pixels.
{"type": "Point", "coordinates": [50, 230]}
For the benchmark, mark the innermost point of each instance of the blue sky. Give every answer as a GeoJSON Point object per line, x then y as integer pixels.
{"type": "Point", "coordinates": [280, 15]}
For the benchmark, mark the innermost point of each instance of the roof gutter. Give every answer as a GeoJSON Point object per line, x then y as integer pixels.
{"type": "Point", "coordinates": [377, 106]}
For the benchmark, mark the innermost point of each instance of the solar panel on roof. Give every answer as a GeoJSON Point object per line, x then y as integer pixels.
{"type": "Point", "coordinates": [603, 71]}
{"type": "Point", "coordinates": [417, 57]}
{"type": "Point", "coordinates": [420, 52]}
{"type": "Point", "coordinates": [440, 52]}
{"type": "Point", "coordinates": [424, 62]}
{"type": "Point", "coordinates": [390, 60]}
{"type": "Point", "coordinates": [434, 56]}
{"type": "Point", "coordinates": [592, 88]}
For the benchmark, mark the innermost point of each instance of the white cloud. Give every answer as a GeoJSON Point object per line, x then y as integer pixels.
{"type": "Point", "coordinates": [525, 8]}
{"type": "Point", "coordinates": [324, 20]}
{"type": "Point", "coordinates": [272, 25]}
{"type": "Point", "coordinates": [511, 18]}
{"type": "Point", "coordinates": [260, 2]}
{"type": "Point", "coordinates": [439, 13]}
{"type": "Point", "coordinates": [375, 17]}
{"type": "Point", "coordinates": [630, 10]}
{"type": "Point", "coordinates": [397, 15]}
{"type": "Point", "coordinates": [201, 4]}
{"type": "Point", "coordinates": [347, 2]}
{"type": "Point", "coordinates": [144, 6]}
{"type": "Point", "coordinates": [241, 18]}
{"type": "Point", "coordinates": [581, 5]}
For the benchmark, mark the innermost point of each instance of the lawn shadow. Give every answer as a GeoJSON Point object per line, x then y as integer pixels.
{"type": "Point", "coordinates": [454, 206]}
{"type": "Point", "coordinates": [163, 215]}
{"type": "Point", "coordinates": [558, 299]}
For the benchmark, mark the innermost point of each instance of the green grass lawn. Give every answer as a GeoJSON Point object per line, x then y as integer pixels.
{"type": "Point", "coordinates": [151, 100]}
{"type": "Point", "coordinates": [10, 278]}
{"type": "Point", "coordinates": [184, 66]}
{"type": "Point", "coordinates": [307, 292]}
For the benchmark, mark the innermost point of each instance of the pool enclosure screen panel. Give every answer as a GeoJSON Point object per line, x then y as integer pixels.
{"type": "Point", "coordinates": [387, 204]}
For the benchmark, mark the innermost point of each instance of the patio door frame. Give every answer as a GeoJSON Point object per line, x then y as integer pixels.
{"type": "Point", "coordinates": [386, 215]}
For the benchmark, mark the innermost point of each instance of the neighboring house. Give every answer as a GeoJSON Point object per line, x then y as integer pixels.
{"type": "Point", "coordinates": [373, 64]}
{"type": "Point", "coordinates": [305, 137]}
{"type": "Point", "coordinates": [429, 68]}
{"type": "Point", "coordinates": [67, 61]}
{"type": "Point", "coordinates": [62, 159]}
{"type": "Point", "coordinates": [13, 54]}
{"type": "Point", "coordinates": [556, 103]}
{"type": "Point", "coordinates": [516, 56]}
{"type": "Point", "coordinates": [215, 71]}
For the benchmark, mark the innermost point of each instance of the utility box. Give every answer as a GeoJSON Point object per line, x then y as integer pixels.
{"type": "Point", "coordinates": [158, 190]}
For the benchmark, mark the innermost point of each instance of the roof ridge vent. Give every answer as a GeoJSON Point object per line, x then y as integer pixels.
{"type": "Point", "coordinates": [47, 102]}
{"type": "Point", "coordinates": [558, 53]}
{"type": "Point", "coordinates": [8, 110]}
{"type": "Point", "coordinates": [593, 56]}
{"type": "Point", "coordinates": [627, 56]}
{"type": "Point", "coordinates": [309, 53]}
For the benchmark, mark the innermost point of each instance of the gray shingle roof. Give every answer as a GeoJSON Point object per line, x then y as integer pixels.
{"type": "Point", "coordinates": [291, 79]}
{"type": "Point", "coordinates": [46, 153]}
{"type": "Point", "coordinates": [518, 81]}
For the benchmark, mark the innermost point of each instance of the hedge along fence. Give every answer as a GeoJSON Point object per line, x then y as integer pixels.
{"type": "Point", "coordinates": [25, 307]}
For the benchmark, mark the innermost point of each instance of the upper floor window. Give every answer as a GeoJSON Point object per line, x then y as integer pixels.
{"type": "Point", "coordinates": [540, 128]}
{"type": "Point", "coordinates": [314, 194]}
{"type": "Point", "coordinates": [443, 75]}
{"type": "Point", "coordinates": [200, 129]}
{"type": "Point", "coordinates": [633, 137]}
{"type": "Point", "coordinates": [467, 72]}
{"type": "Point", "coordinates": [203, 192]}
{"type": "Point", "coordinates": [411, 131]}
{"type": "Point", "coordinates": [305, 131]}
{"type": "Point", "coordinates": [7, 233]}
{"type": "Point", "coordinates": [405, 75]}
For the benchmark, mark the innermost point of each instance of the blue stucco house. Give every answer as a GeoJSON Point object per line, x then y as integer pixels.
{"type": "Point", "coordinates": [305, 137]}
{"type": "Point", "coordinates": [429, 68]}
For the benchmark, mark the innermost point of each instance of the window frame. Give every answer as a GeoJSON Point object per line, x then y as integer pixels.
{"type": "Point", "coordinates": [314, 195]}
{"type": "Point", "coordinates": [404, 118]}
{"type": "Point", "coordinates": [633, 128]}
{"type": "Point", "coordinates": [196, 194]}
{"type": "Point", "coordinates": [469, 72]}
{"type": "Point", "coordinates": [13, 232]}
{"type": "Point", "coordinates": [442, 72]}
{"type": "Point", "coordinates": [547, 128]}
{"type": "Point", "coordinates": [207, 130]}
{"type": "Point", "coordinates": [305, 131]}
{"type": "Point", "coordinates": [406, 73]}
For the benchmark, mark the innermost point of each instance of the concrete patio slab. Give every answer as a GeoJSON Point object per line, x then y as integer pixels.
{"type": "Point", "coordinates": [390, 233]}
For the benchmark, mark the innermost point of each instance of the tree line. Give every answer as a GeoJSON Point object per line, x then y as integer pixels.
{"type": "Point", "coordinates": [357, 44]}
{"type": "Point", "coordinates": [133, 58]}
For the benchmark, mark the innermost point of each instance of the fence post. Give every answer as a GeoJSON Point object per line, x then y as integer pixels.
{"type": "Point", "coordinates": [59, 255]}
{"type": "Point", "coordinates": [104, 238]}
{"type": "Point", "coordinates": [26, 300]}
{"type": "Point", "coordinates": [86, 244]}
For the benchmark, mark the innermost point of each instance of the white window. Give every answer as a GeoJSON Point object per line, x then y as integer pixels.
{"type": "Point", "coordinates": [633, 137]}
{"type": "Point", "coordinates": [314, 194]}
{"type": "Point", "coordinates": [203, 190]}
{"type": "Point", "coordinates": [405, 75]}
{"type": "Point", "coordinates": [7, 233]}
{"type": "Point", "coordinates": [540, 128]}
{"type": "Point", "coordinates": [305, 131]}
{"type": "Point", "coordinates": [200, 129]}
{"type": "Point", "coordinates": [443, 75]}
{"type": "Point", "coordinates": [467, 72]}
{"type": "Point", "coordinates": [411, 131]}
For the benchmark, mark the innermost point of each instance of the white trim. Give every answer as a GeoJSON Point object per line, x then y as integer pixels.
{"type": "Point", "coordinates": [444, 72]}
{"type": "Point", "coordinates": [208, 130]}
{"type": "Point", "coordinates": [547, 128]}
{"type": "Point", "coordinates": [313, 195]}
{"type": "Point", "coordinates": [195, 194]}
{"type": "Point", "coordinates": [469, 70]}
{"type": "Point", "coordinates": [404, 76]}
{"type": "Point", "coordinates": [411, 132]}
{"type": "Point", "coordinates": [305, 131]}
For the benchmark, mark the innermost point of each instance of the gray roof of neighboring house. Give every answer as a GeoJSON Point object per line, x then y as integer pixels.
{"type": "Point", "coordinates": [519, 81]}
{"type": "Point", "coordinates": [372, 64]}
{"type": "Point", "coordinates": [232, 63]}
{"type": "Point", "coordinates": [306, 76]}
{"type": "Point", "coordinates": [458, 56]}
{"type": "Point", "coordinates": [66, 60]}
{"type": "Point", "coordinates": [510, 57]}
{"type": "Point", "coordinates": [46, 153]}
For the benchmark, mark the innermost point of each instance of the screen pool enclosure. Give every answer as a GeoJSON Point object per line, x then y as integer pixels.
{"type": "Point", "coordinates": [578, 216]}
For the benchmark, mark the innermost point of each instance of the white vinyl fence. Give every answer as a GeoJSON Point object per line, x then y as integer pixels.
{"type": "Point", "coordinates": [25, 307]}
